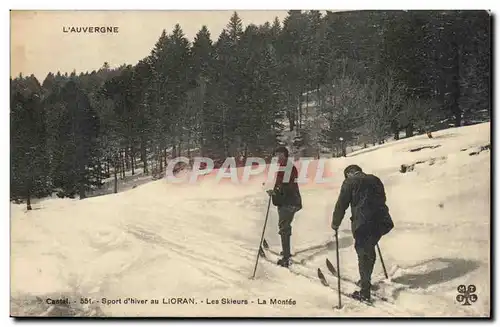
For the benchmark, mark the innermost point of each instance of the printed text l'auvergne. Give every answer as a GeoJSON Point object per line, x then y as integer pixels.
{"type": "Point", "coordinates": [90, 29]}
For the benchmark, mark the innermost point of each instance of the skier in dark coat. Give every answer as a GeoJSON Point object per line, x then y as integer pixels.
{"type": "Point", "coordinates": [369, 222]}
{"type": "Point", "coordinates": [286, 197]}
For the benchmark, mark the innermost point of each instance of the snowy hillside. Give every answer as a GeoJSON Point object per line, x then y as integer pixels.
{"type": "Point", "coordinates": [163, 241]}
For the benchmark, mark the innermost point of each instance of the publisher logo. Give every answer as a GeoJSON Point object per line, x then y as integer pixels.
{"type": "Point", "coordinates": [466, 294]}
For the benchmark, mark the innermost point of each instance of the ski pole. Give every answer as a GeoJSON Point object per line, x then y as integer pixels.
{"type": "Point", "coordinates": [382, 260]}
{"type": "Point", "coordinates": [338, 266]}
{"type": "Point", "coordinates": [262, 237]}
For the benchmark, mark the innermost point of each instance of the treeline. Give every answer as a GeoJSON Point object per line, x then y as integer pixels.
{"type": "Point", "coordinates": [360, 76]}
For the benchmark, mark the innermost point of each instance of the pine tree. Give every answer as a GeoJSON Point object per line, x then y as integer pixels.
{"type": "Point", "coordinates": [202, 53]}
{"type": "Point", "coordinates": [76, 143]}
{"type": "Point", "coordinates": [29, 156]}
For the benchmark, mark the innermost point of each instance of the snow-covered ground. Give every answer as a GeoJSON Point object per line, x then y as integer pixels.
{"type": "Point", "coordinates": [162, 240]}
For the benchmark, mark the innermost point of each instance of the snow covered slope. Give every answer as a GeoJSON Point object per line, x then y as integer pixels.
{"type": "Point", "coordinates": [163, 241]}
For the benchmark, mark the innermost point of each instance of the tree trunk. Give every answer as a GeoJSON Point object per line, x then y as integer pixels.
{"type": "Point", "coordinates": [122, 161]}
{"type": "Point", "coordinates": [81, 181]}
{"type": "Point", "coordinates": [300, 113]}
{"type": "Point", "coordinates": [132, 159]}
{"type": "Point", "coordinates": [144, 157]}
{"type": "Point", "coordinates": [127, 157]}
{"type": "Point", "coordinates": [245, 155]}
{"type": "Point", "coordinates": [291, 120]}
{"type": "Point", "coordinates": [188, 144]}
{"type": "Point", "coordinates": [458, 116]}
{"type": "Point", "coordinates": [100, 168]}
{"type": "Point", "coordinates": [395, 129]}
{"type": "Point", "coordinates": [154, 163]}
{"type": "Point", "coordinates": [455, 92]}
{"type": "Point", "coordinates": [226, 149]}
{"type": "Point", "coordinates": [119, 163]}
{"type": "Point", "coordinates": [319, 102]}
{"type": "Point", "coordinates": [409, 130]}
{"type": "Point", "coordinates": [202, 145]}
{"type": "Point", "coordinates": [115, 170]}
{"type": "Point", "coordinates": [81, 191]}
{"type": "Point", "coordinates": [307, 104]}
{"type": "Point", "coordinates": [160, 159]}
{"type": "Point", "coordinates": [291, 112]}
{"type": "Point", "coordinates": [28, 201]}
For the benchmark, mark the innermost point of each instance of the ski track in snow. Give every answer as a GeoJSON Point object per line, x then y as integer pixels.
{"type": "Point", "coordinates": [161, 241]}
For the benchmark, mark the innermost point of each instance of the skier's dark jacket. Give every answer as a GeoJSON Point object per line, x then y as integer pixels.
{"type": "Point", "coordinates": [286, 192]}
{"type": "Point", "coordinates": [366, 195]}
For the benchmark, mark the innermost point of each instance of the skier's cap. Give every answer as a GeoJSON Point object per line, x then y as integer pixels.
{"type": "Point", "coordinates": [352, 169]}
{"type": "Point", "coordinates": [283, 150]}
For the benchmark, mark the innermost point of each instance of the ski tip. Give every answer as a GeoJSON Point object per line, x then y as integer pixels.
{"type": "Point", "coordinates": [331, 268]}
{"type": "Point", "coordinates": [322, 277]}
{"type": "Point", "coordinates": [320, 274]}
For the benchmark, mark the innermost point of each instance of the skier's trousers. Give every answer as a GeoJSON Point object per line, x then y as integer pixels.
{"type": "Point", "coordinates": [365, 243]}
{"type": "Point", "coordinates": [286, 215]}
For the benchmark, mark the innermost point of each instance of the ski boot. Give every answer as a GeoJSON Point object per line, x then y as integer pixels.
{"type": "Point", "coordinates": [363, 294]}
{"type": "Point", "coordinates": [285, 244]}
{"type": "Point", "coordinates": [284, 262]}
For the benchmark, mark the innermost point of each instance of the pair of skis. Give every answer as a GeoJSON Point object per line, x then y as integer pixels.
{"type": "Point", "coordinates": [334, 272]}
{"type": "Point", "coordinates": [271, 257]}
{"type": "Point", "coordinates": [321, 276]}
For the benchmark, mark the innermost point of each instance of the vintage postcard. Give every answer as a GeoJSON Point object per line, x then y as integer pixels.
{"type": "Point", "coordinates": [300, 163]}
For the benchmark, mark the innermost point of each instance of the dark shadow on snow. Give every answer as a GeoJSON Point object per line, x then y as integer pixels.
{"type": "Point", "coordinates": [454, 268]}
